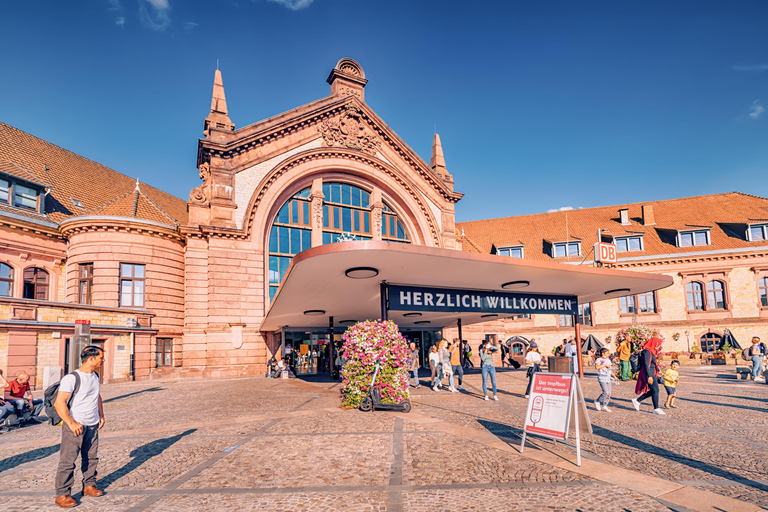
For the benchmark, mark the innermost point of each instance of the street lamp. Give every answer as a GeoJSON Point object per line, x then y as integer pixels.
{"type": "Point", "coordinates": [687, 339]}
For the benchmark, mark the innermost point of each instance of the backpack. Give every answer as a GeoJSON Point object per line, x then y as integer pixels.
{"type": "Point", "coordinates": [634, 362]}
{"type": "Point", "coordinates": [50, 398]}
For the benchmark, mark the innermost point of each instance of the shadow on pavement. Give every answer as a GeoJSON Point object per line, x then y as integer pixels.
{"type": "Point", "coordinates": [148, 390]}
{"type": "Point", "coordinates": [500, 429]}
{"type": "Point", "coordinates": [141, 455]}
{"type": "Point", "coordinates": [746, 407]}
{"type": "Point", "coordinates": [732, 397]}
{"type": "Point", "coordinates": [30, 456]}
{"type": "Point", "coordinates": [642, 446]}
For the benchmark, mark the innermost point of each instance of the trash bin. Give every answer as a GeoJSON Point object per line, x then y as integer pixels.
{"type": "Point", "coordinates": [559, 364]}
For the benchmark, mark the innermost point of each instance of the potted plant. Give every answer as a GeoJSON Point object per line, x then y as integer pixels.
{"type": "Point", "coordinates": [718, 357]}
{"type": "Point", "coordinates": [696, 350]}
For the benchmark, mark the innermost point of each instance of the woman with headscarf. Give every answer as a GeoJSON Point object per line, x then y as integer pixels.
{"type": "Point", "coordinates": [647, 378]}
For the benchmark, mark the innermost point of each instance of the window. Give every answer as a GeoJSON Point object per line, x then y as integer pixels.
{"type": "Point", "coordinates": [35, 283]}
{"type": "Point", "coordinates": [289, 235]}
{"type": "Point", "coordinates": [24, 197]}
{"type": "Point", "coordinates": [762, 290]}
{"type": "Point", "coordinates": [689, 238]}
{"type": "Point", "coordinates": [629, 243]}
{"type": "Point", "coordinates": [646, 303]}
{"type": "Point", "coordinates": [85, 283]}
{"type": "Point", "coordinates": [563, 249]}
{"type": "Point", "coordinates": [565, 320]}
{"type": "Point", "coordinates": [585, 314]}
{"type": "Point", "coordinates": [755, 232]}
{"type": "Point", "coordinates": [346, 209]}
{"type": "Point", "coordinates": [163, 352]}
{"type": "Point", "coordinates": [513, 252]}
{"type": "Point", "coordinates": [77, 203]}
{"type": "Point", "coordinates": [6, 280]}
{"type": "Point", "coordinates": [695, 293]}
{"type": "Point", "coordinates": [527, 316]}
{"type": "Point", "coordinates": [392, 229]}
{"type": "Point", "coordinates": [131, 285]}
{"type": "Point", "coordinates": [628, 305]}
{"type": "Point", "coordinates": [716, 295]}
{"type": "Point", "coordinates": [4, 188]}
{"type": "Point", "coordinates": [710, 342]}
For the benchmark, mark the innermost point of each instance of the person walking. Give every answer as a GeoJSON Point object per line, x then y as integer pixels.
{"type": "Point", "coordinates": [570, 352]}
{"type": "Point", "coordinates": [434, 367]}
{"type": "Point", "coordinates": [458, 371]}
{"type": "Point", "coordinates": [445, 365]}
{"type": "Point", "coordinates": [533, 360]}
{"type": "Point", "coordinates": [604, 368]}
{"type": "Point", "coordinates": [413, 365]}
{"type": "Point", "coordinates": [467, 354]}
{"type": "Point", "coordinates": [757, 352]}
{"type": "Point", "coordinates": [625, 350]}
{"type": "Point", "coordinates": [648, 377]}
{"type": "Point", "coordinates": [83, 417]}
{"type": "Point", "coordinates": [486, 361]}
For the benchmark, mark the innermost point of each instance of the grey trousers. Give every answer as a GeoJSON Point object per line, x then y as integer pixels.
{"type": "Point", "coordinates": [87, 446]}
{"type": "Point", "coordinates": [605, 396]}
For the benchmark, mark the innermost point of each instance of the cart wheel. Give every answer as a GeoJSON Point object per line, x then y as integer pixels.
{"type": "Point", "coordinates": [406, 405]}
{"type": "Point", "coordinates": [366, 405]}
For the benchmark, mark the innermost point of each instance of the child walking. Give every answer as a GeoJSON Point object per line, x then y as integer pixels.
{"type": "Point", "coordinates": [670, 383]}
{"type": "Point", "coordinates": [604, 368]}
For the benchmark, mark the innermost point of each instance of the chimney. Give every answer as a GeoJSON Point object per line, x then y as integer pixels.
{"type": "Point", "coordinates": [648, 219]}
{"type": "Point", "coordinates": [624, 216]}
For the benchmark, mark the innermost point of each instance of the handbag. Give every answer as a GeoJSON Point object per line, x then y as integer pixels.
{"type": "Point", "coordinates": [447, 370]}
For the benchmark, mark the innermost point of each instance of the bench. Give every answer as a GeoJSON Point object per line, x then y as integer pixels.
{"type": "Point", "coordinates": [743, 372]}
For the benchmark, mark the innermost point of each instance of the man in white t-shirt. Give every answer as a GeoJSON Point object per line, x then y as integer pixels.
{"type": "Point", "coordinates": [83, 419]}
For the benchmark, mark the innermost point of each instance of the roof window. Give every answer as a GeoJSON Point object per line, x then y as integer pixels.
{"type": "Point", "coordinates": [563, 249]}
{"type": "Point", "coordinates": [513, 252]}
{"type": "Point", "coordinates": [691, 238]}
{"type": "Point", "coordinates": [755, 232]}
{"type": "Point", "coordinates": [629, 243]}
{"type": "Point", "coordinates": [77, 203]}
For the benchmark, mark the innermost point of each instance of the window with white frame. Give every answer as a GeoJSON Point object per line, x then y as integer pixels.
{"type": "Point", "coordinates": [691, 238]}
{"type": "Point", "coordinates": [563, 249]}
{"type": "Point", "coordinates": [513, 252]}
{"type": "Point", "coordinates": [628, 243]}
{"type": "Point", "coordinates": [755, 232]}
{"type": "Point", "coordinates": [131, 285]}
{"type": "Point", "coordinates": [20, 196]}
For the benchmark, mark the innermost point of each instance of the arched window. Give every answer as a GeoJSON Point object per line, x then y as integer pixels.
{"type": "Point", "coordinates": [392, 229]}
{"type": "Point", "coordinates": [35, 283]}
{"type": "Point", "coordinates": [710, 342]}
{"type": "Point", "coordinates": [716, 295]}
{"type": "Point", "coordinates": [6, 280]}
{"type": "Point", "coordinates": [695, 293]}
{"type": "Point", "coordinates": [762, 290]}
{"type": "Point", "coordinates": [346, 210]}
{"type": "Point", "coordinates": [289, 235]}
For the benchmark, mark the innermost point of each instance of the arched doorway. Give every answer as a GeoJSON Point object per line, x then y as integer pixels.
{"type": "Point", "coordinates": [710, 342]}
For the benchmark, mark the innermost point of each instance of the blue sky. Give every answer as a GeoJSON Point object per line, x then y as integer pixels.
{"type": "Point", "coordinates": [540, 105]}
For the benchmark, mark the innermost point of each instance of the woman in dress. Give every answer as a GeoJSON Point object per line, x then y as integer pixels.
{"type": "Point", "coordinates": [533, 360]}
{"type": "Point", "coordinates": [648, 377]}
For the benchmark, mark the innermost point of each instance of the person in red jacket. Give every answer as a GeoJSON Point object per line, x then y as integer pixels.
{"type": "Point", "coordinates": [20, 395]}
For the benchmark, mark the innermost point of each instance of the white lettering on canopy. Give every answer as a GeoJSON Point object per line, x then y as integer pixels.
{"type": "Point", "coordinates": [405, 298]}
{"type": "Point", "coordinates": [428, 299]}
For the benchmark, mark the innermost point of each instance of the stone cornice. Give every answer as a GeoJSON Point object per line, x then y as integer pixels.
{"type": "Point", "coordinates": [673, 259]}
{"type": "Point", "coordinates": [120, 224]}
{"type": "Point", "coordinates": [28, 225]}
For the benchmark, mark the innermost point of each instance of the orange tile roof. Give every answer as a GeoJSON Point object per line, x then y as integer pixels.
{"type": "Point", "coordinates": [72, 176]}
{"type": "Point", "coordinates": [727, 215]}
{"type": "Point", "coordinates": [134, 204]}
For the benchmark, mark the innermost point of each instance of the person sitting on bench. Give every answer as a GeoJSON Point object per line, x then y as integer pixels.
{"type": "Point", "coordinates": [21, 396]}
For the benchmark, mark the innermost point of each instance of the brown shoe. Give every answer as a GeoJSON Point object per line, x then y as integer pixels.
{"type": "Point", "coordinates": [66, 501]}
{"type": "Point", "coordinates": [93, 491]}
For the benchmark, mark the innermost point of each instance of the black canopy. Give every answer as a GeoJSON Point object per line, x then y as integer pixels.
{"type": "Point", "coordinates": [591, 343]}
{"type": "Point", "coordinates": [729, 338]}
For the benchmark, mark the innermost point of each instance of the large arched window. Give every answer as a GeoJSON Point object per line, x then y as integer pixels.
{"type": "Point", "coordinates": [35, 283]}
{"type": "Point", "coordinates": [6, 280]}
{"type": "Point", "coordinates": [289, 235]}
{"type": "Point", "coordinates": [695, 293]}
{"type": "Point", "coordinates": [391, 228]}
{"type": "Point", "coordinates": [716, 295]}
{"type": "Point", "coordinates": [762, 290]}
{"type": "Point", "coordinates": [346, 211]}
{"type": "Point", "coordinates": [711, 342]}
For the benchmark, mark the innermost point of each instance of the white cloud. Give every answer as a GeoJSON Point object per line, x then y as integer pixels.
{"type": "Point", "coordinates": [561, 209]}
{"type": "Point", "coordinates": [756, 110]}
{"type": "Point", "coordinates": [120, 22]}
{"type": "Point", "coordinates": [756, 67]}
{"type": "Point", "coordinates": [190, 25]}
{"type": "Point", "coordinates": [294, 5]}
{"type": "Point", "coordinates": [158, 17]}
{"type": "Point", "coordinates": [114, 5]}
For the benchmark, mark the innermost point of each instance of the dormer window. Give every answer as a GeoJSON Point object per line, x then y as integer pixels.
{"type": "Point", "coordinates": [690, 238]}
{"type": "Point", "coordinates": [628, 243]}
{"type": "Point", "coordinates": [13, 193]}
{"type": "Point", "coordinates": [513, 252]}
{"type": "Point", "coordinates": [563, 249]}
{"type": "Point", "coordinates": [4, 188]}
{"type": "Point", "coordinates": [755, 232]}
{"type": "Point", "coordinates": [77, 203]}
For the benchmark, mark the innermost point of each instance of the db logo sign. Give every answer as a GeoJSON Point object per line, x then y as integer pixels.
{"type": "Point", "coordinates": [605, 253]}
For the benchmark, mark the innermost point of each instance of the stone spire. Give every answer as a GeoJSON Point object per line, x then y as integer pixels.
{"type": "Point", "coordinates": [219, 116]}
{"type": "Point", "coordinates": [437, 162]}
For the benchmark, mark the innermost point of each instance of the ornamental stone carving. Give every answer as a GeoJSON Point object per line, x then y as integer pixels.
{"type": "Point", "coordinates": [199, 195]}
{"type": "Point", "coordinates": [350, 131]}
{"type": "Point", "coordinates": [317, 209]}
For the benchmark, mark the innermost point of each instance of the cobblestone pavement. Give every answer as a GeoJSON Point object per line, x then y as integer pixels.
{"type": "Point", "coordinates": [284, 445]}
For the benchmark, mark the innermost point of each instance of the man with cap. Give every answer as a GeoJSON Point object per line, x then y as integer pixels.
{"type": "Point", "coordinates": [533, 360]}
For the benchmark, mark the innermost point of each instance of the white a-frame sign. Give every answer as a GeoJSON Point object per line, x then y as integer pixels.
{"type": "Point", "coordinates": [556, 405]}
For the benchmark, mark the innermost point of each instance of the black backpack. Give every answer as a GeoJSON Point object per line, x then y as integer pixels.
{"type": "Point", "coordinates": [50, 398]}
{"type": "Point", "coordinates": [634, 362]}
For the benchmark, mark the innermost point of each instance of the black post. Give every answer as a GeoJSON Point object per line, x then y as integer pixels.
{"type": "Point", "coordinates": [332, 362]}
{"type": "Point", "coordinates": [383, 289]}
{"type": "Point", "coordinates": [461, 344]}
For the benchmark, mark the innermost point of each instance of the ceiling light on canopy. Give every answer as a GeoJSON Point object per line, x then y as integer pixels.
{"type": "Point", "coordinates": [314, 312]}
{"type": "Point", "coordinates": [423, 322]}
{"type": "Point", "coordinates": [412, 314]}
{"type": "Point", "coordinates": [361, 272]}
{"type": "Point", "coordinates": [515, 285]}
{"type": "Point", "coordinates": [617, 292]}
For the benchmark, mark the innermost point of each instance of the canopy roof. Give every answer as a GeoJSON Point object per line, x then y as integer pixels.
{"type": "Point", "coordinates": [316, 282]}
